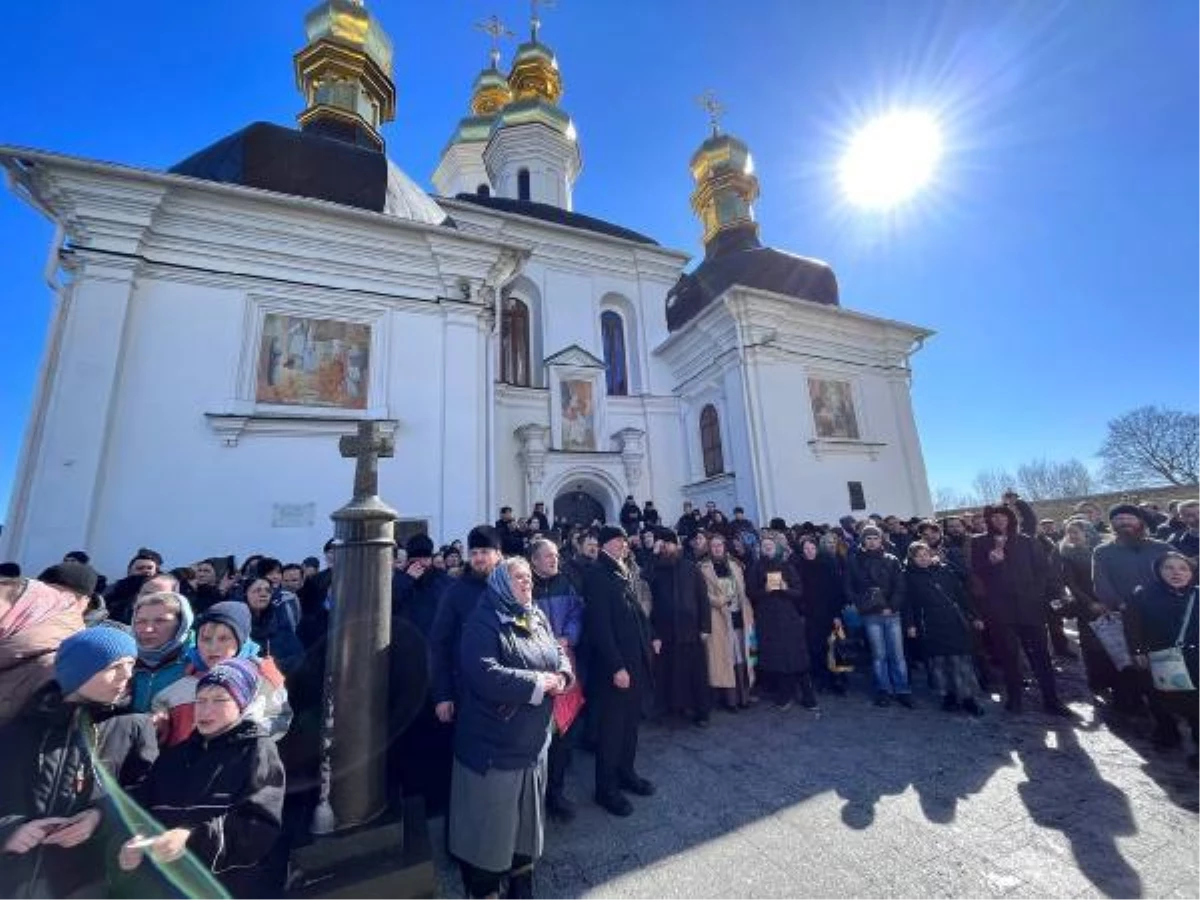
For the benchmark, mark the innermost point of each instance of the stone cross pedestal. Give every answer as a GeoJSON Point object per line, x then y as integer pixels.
{"type": "Point", "coordinates": [363, 845]}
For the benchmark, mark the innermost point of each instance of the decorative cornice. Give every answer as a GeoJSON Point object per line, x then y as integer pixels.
{"type": "Point", "coordinates": [822, 447]}
{"type": "Point", "coordinates": [229, 427]}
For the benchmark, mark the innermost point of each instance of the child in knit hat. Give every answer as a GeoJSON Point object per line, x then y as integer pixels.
{"type": "Point", "coordinates": [46, 836]}
{"type": "Point", "coordinates": [220, 793]}
{"type": "Point", "coordinates": [222, 633]}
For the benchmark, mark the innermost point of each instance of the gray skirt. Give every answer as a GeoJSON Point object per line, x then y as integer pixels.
{"type": "Point", "coordinates": [497, 816]}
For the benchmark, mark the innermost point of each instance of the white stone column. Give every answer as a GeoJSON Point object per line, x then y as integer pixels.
{"type": "Point", "coordinates": [535, 441]}
{"type": "Point", "coordinates": [632, 443]}
{"type": "Point", "coordinates": [465, 437]}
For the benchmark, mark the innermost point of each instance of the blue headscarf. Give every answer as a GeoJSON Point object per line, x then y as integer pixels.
{"type": "Point", "coordinates": [501, 588]}
{"type": "Point", "coordinates": [154, 658]}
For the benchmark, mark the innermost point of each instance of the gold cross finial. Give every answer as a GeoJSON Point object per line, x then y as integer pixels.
{"type": "Point", "coordinates": [709, 103]}
{"type": "Point", "coordinates": [535, 22]}
{"type": "Point", "coordinates": [498, 31]}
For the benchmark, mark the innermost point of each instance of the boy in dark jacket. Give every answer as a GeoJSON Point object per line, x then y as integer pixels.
{"type": "Point", "coordinates": [49, 791]}
{"type": "Point", "coordinates": [220, 793]}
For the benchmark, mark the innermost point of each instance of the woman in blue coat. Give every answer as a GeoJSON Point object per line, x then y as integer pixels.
{"type": "Point", "coordinates": [511, 668]}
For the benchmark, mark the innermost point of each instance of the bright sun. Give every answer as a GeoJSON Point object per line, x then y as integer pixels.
{"type": "Point", "coordinates": [890, 159]}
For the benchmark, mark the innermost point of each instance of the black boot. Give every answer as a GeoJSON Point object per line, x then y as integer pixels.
{"type": "Point", "coordinates": [559, 807]}
{"type": "Point", "coordinates": [808, 696]}
{"type": "Point", "coordinates": [520, 879]}
{"type": "Point", "coordinates": [949, 703]}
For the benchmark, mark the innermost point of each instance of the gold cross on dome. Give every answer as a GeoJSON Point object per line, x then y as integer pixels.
{"type": "Point", "coordinates": [535, 21]}
{"type": "Point", "coordinates": [710, 104]}
{"type": "Point", "coordinates": [498, 31]}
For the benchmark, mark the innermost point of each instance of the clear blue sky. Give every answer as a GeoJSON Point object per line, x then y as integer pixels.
{"type": "Point", "coordinates": [1056, 256]}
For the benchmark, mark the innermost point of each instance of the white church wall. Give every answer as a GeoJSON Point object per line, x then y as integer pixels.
{"type": "Point", "coordinates": [570, 308]}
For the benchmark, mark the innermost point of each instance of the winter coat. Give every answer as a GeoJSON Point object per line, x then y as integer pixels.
{"type": "Point", "coordinates": [779, 619]}
{"type": "Point", "coordinates": [147, 682]}
{"type": "Point", "coordinates": [1075, 571]}
{"type": "Point", "coordinates": [576, 569]}
{"type": "Point", "coordinates": [680, 612]}
{"type": "Point", "coordinates": [939, 607]}
{"type": "Point", "coordinates": [417, 599]}
{"type": "Point", "coordinates": [126, 744]}
{"type": "Point", "coordinates": [869, 569]}
{"type": "Point", "coordinates": [1011, 592]}
{"type": "Point", "coordinates": [47, 771]}
{"type": "Point", "coordinates": [688, 525]}
{"type": "Point", "coordinates": [617, 629]}
{"type": "Point", "coordinates": [719, 647]}
{"type": "Point", "coordinates": [503, 718]}
{"type": "Point", "coordinates": [824, 592]}
{"type": "Point", "coordinates": [228, 791]}
{"type": "Point", "coordinates": [269, 708]}
{"type": "Point", "coordinates": [650, 517]}
{"type": "Point", "coordinates": [1120, 568]}
{"type": "Point", "coordinates": [120, 597]}
{"type": "Point", "coordinates": [456, 607]}
{"type": "Point", "coordinates": [563, 607]}
{"type": "Point", "coordinates": [28, 646]}
{"type": "Point", "coordinates": [1153, 619]}
{"type": "Point", "coordinates": [631, 517]}
{"type": "Point", "coordinates": [275, 634]}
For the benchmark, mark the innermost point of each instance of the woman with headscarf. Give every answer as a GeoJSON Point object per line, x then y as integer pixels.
{"type": "Point", "coordinates": [272, 627]}
{"type": "Point", "coordinates": [1161, 623]}
{"type": "Point", "coordinates": [730, 672]}
{"type": "Point", "coordinates": [511, 668]}
{"type": "Point", "coordinates": [774, 589]}
{"type": "Point", "coordinates": [34, 619]}
{"type": "Point", "coordinates": [1080, 538]}
{"type": "Point", "coordinates": [162, 627]}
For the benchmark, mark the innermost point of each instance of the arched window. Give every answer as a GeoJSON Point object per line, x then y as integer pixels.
{"type": "Point", "coordinates": [483, 190]}
{"type": "Point", "coordinates": [514, 343]}
{"type": "Point", "coordinates": [523, 184]}
{"type": "Point", "coordinates": [710, 441]}
{"type": "Point", "coordinates": [612, 334]}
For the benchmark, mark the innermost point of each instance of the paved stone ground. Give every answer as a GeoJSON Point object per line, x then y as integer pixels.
{"type": "Point", "coordinates": [857, 801]}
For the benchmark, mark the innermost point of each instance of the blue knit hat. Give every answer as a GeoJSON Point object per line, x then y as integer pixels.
{"type": "Point", "coordinates": [233, 614]}
{"type": "Point", "coordinates": [239, 678]}
{"type": "Point", "coordinates": [90, 652]}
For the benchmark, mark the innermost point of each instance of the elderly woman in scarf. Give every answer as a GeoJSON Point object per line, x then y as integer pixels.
{"type": "Point", "coordinates": [776, 593]}
{"type": "Point", "coordinates": [162, 627]}
{"type": "Point", "coordinates": [34, 619]}
{"type": "Point", "coordinates": [511, 669]}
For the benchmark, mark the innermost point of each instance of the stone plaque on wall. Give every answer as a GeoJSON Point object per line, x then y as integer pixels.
{"type": "Point", "coordinates": [293, 515]}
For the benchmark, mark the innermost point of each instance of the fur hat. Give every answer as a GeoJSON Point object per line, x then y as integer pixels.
{"type": "Point", "coordinates": [484, 537]}
{"type": "Point", "coordinates": [871, 531]}
{"type": "Point", "coordinates": [419, 546]}
{"type": "Point", "coordinates": [611, 532]}
{"type": "Point", "coordinates": [89, 652]}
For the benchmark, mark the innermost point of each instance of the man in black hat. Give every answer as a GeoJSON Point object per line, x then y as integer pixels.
{"type": "Point", "coordinates": [458, 602]}
{"type": "Point", "coordinates": [631, 516]}
{"type": "Point", "coordinates": [79, 579]}
{"type": "Point", "coordinates": [1121, 566]}
{"type": "Point", "coordinates": [619, 638]}
{"type": "Point", "coordinates": [417, 588]}
{"type": "Point", "coordinates": [682, 620]}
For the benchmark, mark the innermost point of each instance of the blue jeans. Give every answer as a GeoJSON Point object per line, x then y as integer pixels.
{"type": "Point", "coordinates": [886, 637]}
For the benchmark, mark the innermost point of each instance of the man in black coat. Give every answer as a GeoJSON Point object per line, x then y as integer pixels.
{"type": "Point", "coordinates": [458, 602]}
{"type": "Point", "coordinates": [631, 516]}
{"type": "Point", "coordinates": [650, 517]}
{"type": "Point", "coordinates": [1008, 577]}
{"type": "Point", "coordinates": [620, 657]}
{"type": "Point", "coordinates": [682, 619]}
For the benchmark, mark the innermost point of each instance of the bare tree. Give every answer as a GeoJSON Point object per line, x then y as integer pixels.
{"type": "Point", "coordinates": [1043, 479]}
{"type": "Point", "coordinates": [1149, 445]}
{"type": "Point", "coordinates": [990, 484]}
{"type": "Point", "coordinates": [948, 498]}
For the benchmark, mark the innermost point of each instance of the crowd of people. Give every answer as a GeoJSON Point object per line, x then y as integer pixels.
{"type": "Point", "coordinates": [195, 692]}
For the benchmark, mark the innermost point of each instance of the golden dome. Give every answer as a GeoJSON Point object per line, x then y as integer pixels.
{"type": "Point", "coordinates": [535, 73]}
{"type": "Point", "coordinates": [726, 186]}
{"type": "Point", "coordinates": [349, 23]}
{"type": "Point", "coordinates": [490, 93]}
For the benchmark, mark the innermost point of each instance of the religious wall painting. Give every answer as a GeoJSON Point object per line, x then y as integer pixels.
{"type": "Point", "coordinates": [313, 362]}
{"type": "Point", "coordinates": [578, 414]}
{"type": "Point", "coordinates": [833, 409]}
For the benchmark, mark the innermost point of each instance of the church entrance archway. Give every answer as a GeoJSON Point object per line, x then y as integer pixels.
{"type": "Point", "coordinates": [578, 506]}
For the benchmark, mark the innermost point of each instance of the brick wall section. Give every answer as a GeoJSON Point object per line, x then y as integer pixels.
{"type": "Point", "coordinates": [1062, 508]}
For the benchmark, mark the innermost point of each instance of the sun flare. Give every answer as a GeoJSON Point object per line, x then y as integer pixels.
{"type": "Point", "coordinates": [891, 159]}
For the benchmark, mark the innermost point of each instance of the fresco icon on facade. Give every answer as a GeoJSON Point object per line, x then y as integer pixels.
{"type": "Point", "coordinates": [313, 362]}
{"type": "Point", "coordinates": [833, 409]}
{"type": "Point", "coordinates": [578, 415]}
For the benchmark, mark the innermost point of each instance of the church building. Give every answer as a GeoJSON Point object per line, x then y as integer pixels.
{"type": "Point", "coordinates": [217, 326]}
